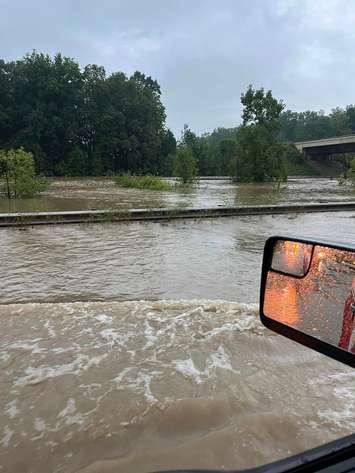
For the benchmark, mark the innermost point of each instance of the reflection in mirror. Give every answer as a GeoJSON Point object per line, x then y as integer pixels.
{"type": "Point", "coordinates": [322, 302]}
{"type": "Point", "coordinates": [292, 257]}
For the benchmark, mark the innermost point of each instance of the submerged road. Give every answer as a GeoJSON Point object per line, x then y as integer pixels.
{"type": "Point", "coordinates": [88, 216]}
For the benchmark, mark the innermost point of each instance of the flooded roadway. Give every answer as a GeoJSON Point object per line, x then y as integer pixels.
{"type": "Point", "coordinates": [192, 259]}
{"type": "Point", "coordinates": [136, 387]}
{"type": "Point", "coordinates": [180, 378]}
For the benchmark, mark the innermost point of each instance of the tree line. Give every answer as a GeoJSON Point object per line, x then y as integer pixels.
{"type": "Point", "coordinates": [310, 125]}
{"type": "Point", "coordinates": [215, 151]}
{"type": "Point", "coordinates": [82, 121]}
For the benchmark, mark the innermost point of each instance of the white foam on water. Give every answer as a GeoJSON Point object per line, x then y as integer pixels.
{"type": "Point", "coordinates": [11, 409]}
{"type": "Point", "coordinates": [138, 381]}
{"type": "Point", "coordinates": [343, 376]}
{"type": "Point", "coordinates": [70, 415]}
{"type": "Point", "coordinates": [119, 379]}
{"type": "Point", "coordinates": [220, 359]}
{"type": "Point", "coordinates": [28, 345]}
{"type": "Point", "coordinates": [69, 409]}
{"type": "Point", "coordinates": [91, 389]}
{"type": "Point", "coordinates": [4, 356]}
{"type": "Point", "coordinates": [112, 337]}
{"type": "Point", "coordinates": [42, 373]}
{"type": "Point", "coordinates": [188, 368]}
{"type": "Point", "coordinates": [60, 350]}
{"type": "Point", "coordinates": [344, 416]}
{"type": "Point", "coordinates": [39, 424]}
{"type": "Point", "coordinates": [51, 331]}
{"type": "Point", "coordinates": [103, 318]}
{"type": "Point", "coordinates": [51, 444]}
{"type": "Point", "coordinates": [167, 340]}
{"type": "Point", "coordinates": [245, 323]}
{"type": "Point", "coordinates": [149, 333]}
{"type": "Point", "coordinates": [77, 419]}
{"type": "Point", "coordinates": [5, 441]}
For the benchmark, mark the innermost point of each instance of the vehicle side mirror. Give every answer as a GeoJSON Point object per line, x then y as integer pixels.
{"type": "Point", "coordinates": [308, 294]}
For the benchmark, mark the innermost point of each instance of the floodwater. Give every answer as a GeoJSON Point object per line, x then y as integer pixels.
{"type": "Point", "coordinates": [89, 194]}
{"type": "Point", "coordinates": [135, 387]}
{"type": "Point", "coordinates": [136, 347]}
{"type": "Point", "coordinates": [191, 259]}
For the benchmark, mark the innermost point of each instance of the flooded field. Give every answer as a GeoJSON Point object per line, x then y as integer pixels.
{"type": "Point", "coordinates": [131, 348]}
{"type": "Point", "coordinates": [81, 194]}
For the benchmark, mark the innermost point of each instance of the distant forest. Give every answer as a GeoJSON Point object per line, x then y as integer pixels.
{"type": "Point", "coordinates": [303, 126]}
{"type": "Point", "coordinates": [84, 122]}
{"type": "Point", "coordinates": [215, 151]}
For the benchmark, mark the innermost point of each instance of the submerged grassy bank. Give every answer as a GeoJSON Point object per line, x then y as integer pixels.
{"type": "Point", "coordinates": [142, 182]}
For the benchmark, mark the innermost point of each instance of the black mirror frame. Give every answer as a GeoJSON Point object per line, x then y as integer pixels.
{"type": "Point", "coordinates": [290, 332]}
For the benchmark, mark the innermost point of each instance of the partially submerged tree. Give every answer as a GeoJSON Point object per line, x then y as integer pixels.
{"type": "Point", "coordinates": [185, 168]}
{"type": "Point", "coordinates": [259, 154]}
{"type": "Point", "coordinates": [17, 170]}
{"type": "Point", "coordinates": [259, 158]}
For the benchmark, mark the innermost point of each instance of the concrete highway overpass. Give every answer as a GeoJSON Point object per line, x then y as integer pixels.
{"type": "Point", "coordinates": [327, 146]}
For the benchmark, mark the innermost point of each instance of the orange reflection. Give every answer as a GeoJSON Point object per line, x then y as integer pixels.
{"type": "Point", "coordinates": [315, 300]}
{"type": "Point", "coordinates": [292, 250]}
{"type": "Point", "coordinates": [281, 300]}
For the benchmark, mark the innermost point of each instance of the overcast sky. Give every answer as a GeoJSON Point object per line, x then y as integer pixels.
{"type": "Point", "coordinates": [202, 52]}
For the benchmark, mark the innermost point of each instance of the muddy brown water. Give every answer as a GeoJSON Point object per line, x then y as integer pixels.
{"type": "Point", "coordinates": [140, 386]}
{"type": "Point", "coordinates": [203, 259]}
{"type": "Point", "coordinates": [137, 347]}
{"type": "Point", "coordinates": [98, 193]}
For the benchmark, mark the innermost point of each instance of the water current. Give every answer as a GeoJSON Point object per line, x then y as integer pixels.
{"type": "Point", "coordinates": [79, 194]}
{"type": "Point", "coordinates": [137, 347]}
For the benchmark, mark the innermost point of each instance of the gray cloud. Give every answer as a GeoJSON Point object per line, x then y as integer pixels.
{"type": "Point", "coordinates": [203, 53]}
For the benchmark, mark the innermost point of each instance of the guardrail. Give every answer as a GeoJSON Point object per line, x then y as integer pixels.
{"type": "Point", "coordinates": [90, 216]}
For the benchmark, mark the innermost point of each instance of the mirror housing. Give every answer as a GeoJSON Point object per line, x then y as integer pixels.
{"type": "Point", "coordinates": [307, 294]}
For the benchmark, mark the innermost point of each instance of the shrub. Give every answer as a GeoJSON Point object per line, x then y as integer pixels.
{"type": "Point", "coordinates": [142, 182]}
{"type": "Point", "coordinates": [352, 170]}
{"type": "Point", "coordinates": [17, 170]}
{"type": "Point", "coordinates": [185, 168]}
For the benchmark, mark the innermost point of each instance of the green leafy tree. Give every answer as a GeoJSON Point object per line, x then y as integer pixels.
{"type": "Point", "coordinates": [350, 113]}
{"type": "Point", "coordinates": [17, 171]}
{"type": "Point", "coordinates": [226, 152]}
{"type": "Point", "coordinates": [81, 121]}
{"type": "Point", "coordinates": [204, 155]}
{"type": "Point", "coordinates": [47, 94]}
{"type": "Point", "coordinates": [167, 153]}
{"type": "Point", "coordinates": [259, 158]}
{"type": "Point", "coordinates": [259, 154]}
{"type": "Point", "coordinates": [298, 163]}
{"type": "Point", "coordinates": [75, 163]}
{"type": "Point", "coordinates": [311, 125]}
{"type": "Point", "coordinates": [352, 170]}
{"type": "Point", "coordinates": [261, 108]}
{"type": "Point", "coordinates": [345, 161]}
{"type": "Point", "coordinates": [185, 168]}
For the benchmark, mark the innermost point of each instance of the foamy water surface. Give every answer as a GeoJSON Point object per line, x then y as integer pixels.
{"type": "Point", "coordinates": [161, 372]}
{"type": "Point", "coordinates": [141, 386]}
